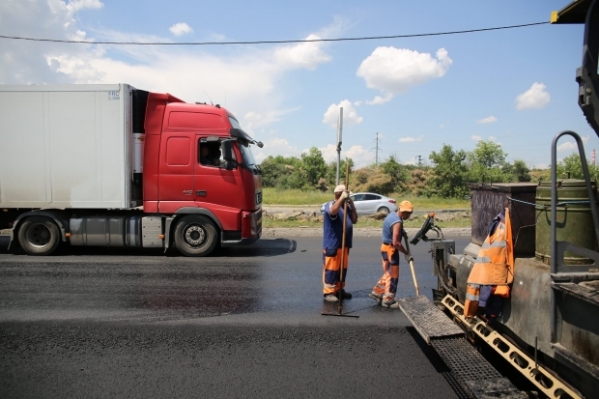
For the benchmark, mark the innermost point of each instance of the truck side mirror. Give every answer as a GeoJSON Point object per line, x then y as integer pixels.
{"type": "Point", "coordinates": [227, 149]}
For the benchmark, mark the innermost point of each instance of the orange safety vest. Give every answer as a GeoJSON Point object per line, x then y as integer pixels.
{"type": "Point", "coordinates": [494, 264]}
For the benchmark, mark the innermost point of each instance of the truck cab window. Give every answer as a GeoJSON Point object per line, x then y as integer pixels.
{"type": "Point", "coordinates": [210, 154]}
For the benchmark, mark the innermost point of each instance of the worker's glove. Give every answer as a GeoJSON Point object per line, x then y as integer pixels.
{"type": "Point", "coordinates": [344, 196]}
{"type": "Point", "coordinates": [409, 258]}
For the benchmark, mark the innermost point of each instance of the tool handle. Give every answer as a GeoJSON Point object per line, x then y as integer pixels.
{"type": "Point", "coordinates": [414, 278]}
{"type": "Point", "coordinates": [340, 303]}
{"type": "Point", "coordinates": [407, 245]}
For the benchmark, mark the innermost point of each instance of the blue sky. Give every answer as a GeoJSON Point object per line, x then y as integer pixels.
{"type": "Point", "coordinates": [515, 87]}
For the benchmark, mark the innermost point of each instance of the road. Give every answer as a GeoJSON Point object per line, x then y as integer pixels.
{"type": "Point", "coordinates": [243, 323]}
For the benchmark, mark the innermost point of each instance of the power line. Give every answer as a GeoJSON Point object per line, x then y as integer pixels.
{"type": "Point", "coordinates": [342, 39]}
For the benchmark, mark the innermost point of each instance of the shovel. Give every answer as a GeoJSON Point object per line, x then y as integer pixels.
{"type": "Point", "coordinates": [407, 245]}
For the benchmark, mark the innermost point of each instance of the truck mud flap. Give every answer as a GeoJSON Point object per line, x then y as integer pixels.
{"type": "Point", "coordinates": [6, 238]}
{"type": "Point", "coordinates": [474, 373]}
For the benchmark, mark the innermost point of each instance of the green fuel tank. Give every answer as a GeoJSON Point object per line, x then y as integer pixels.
{"type": "Point", "coordinates": [574, 220]}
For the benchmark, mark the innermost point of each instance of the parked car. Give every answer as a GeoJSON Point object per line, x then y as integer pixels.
{"type": "Point", "coordinates": [371, 203]}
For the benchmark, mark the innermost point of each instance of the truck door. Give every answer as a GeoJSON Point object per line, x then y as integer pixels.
{"type": "Point", "coordinates": [175, 180]}
{"type": "Point", "coordinates": [214, 185]}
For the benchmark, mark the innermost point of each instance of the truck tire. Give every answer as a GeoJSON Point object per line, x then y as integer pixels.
{"type": "Point", "coordinates": [195, 235]}
{"type": "Point", "coordinates": [39, 236]}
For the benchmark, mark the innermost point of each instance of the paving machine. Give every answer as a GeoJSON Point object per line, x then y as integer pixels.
{"type": "Point", "coordinates": [548, 329]}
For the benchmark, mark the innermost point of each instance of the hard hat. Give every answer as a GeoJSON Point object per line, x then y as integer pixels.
{"type": "Point", "coordinates": [406, 206]}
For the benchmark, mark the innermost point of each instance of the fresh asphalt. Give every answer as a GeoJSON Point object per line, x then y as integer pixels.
{"type": "Point", "coordinates": [243, 323]}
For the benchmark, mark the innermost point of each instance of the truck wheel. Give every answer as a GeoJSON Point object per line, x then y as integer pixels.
{"type": "Point", "coordinates": [39, 236]}
{"type": "Point", "coordinates": [195, 235]}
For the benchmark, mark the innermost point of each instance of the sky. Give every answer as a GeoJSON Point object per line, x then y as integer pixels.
{"type": "Point", "coordinates": [515, 87]}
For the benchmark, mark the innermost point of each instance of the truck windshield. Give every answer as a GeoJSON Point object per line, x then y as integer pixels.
{"type": "Point", "coordinates": [234, 123]}
{"type": "Point", "coordinates": [246, 153]}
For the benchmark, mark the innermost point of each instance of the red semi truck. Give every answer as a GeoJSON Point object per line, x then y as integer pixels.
{"type": "Point", "coordinates": [113, 166]}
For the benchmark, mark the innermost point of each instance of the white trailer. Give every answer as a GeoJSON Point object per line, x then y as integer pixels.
{"type": "Point", "coordinates": [67, 146]}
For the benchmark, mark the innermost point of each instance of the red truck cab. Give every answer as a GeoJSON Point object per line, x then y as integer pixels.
{"type": "Point", "coordinates": [199, 171]}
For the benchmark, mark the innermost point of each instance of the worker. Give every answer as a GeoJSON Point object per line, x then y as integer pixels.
{"type": "Point", "coordinates": [386, 288]}
{"type": "Point", "coordinates": [493, 271]}
{"type": "Point", "coordinates": [205, 155]}
{"type": "Point", "coordinates": [333, 284]}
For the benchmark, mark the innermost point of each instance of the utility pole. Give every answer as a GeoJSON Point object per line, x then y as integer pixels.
{"type": "Point", "coordinates": [419, 160]}
{"type": "Point", "coordinates": [376, 149]}
{"type": "Point", "coordinates": [339, 134]}
{"type": "Point", "coordinates": [593, 157]}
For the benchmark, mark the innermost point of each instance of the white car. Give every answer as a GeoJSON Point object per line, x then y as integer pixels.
{"type": "Point", "coordinates": [370, 203]}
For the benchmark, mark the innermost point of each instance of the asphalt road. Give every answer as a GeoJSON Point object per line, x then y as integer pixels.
{"type": "Point", "coordinates": [244, 323]}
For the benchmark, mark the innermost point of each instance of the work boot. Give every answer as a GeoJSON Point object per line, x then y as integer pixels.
{"type": "Point", "coordinates": [390, 305]}
{"type": "Point", "coordinates": [331, 298]}
{"type": "Point", "coordinates": [346, 295]}
{"type": "Point", "coordinates": [376, 297]}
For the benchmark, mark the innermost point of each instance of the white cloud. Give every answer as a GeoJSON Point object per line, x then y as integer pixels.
{"type": "Point", "coordinates": [476, 137]}
{"type": "Point", "coordinates": [410, 139]}
{"type": "Point", "coordinates": [568, 145]}
{"type": "Point", "coordinates": [180, 29]}
{"type": "Point", "coordinates": [245, 81]}
{"type": "Point", "coordinates": [380, 100]}
{"type": "Point", "coordinates": [394, 70]}
{"type": "Point", "coordinates": [360, 155]}
{"type": "Point", "coordinates": [254, 120]}
{"type": "Point", "coordinates": [535, 97]}
{"type": "Point", "coordinates": [357, 153]}
{"type": "Point", "coordinates": [275, 146]}
{"type": "Point", "coordinates": [76, 5]}
{"type": "Point", "coordinates": [302, 55]}
{"type": "Point", "coordinates": [488, 119]}
{"type": "Point", "coordinates": [571, 145]}
{"type": "Point", "coordinates": [25, 62]}
{"type": "Point", "coordinates": [350, 115]}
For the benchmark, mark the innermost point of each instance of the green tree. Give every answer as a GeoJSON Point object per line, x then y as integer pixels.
{"type": "Point", "coordinates": [396, 171]}
{"type": "Point", "coordinates": [486, 162]}
{"type": "Point", "coordinates": [277, 170]}
{"type": "Point", "coordinates": [518, 171]}
{"type": "Point", "coordinates": [449, 173]}
{"type": "Point", "coordinates": [571, 168]}
{"type": "Point", "coordinates": [331, 174]}
{"type": "Point", "coordinates": [314, 166]}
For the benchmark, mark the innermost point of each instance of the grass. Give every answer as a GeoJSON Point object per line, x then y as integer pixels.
{"type": "Point", "coordinates": [273, 196]}
{"type": "Point", "coordinates": [365, 221]}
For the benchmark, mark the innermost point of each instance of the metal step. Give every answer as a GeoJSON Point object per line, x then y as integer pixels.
{"type": "Point", "coordinates": [472, 370]}
{"type": "Point", "coordinates": [428, 319]}
{"type": "Point", "coordinates": [548, 383]}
